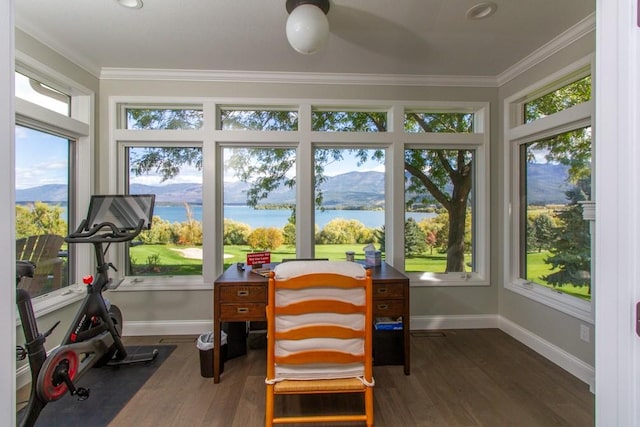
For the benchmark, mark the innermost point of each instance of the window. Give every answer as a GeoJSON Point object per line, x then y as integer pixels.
{"type": "Point", "coordinates": [551, 148]}
{"type": "Point", "coordinates": [259, 203]}
{"type": "Point", "coordinates": [36, 92]}
{"type": "Point", "coordinates": [52, 176]}
{"type": "Point", "coordinates": [163, 118]}
{"type": "Point", "coordinates": [555, 246]}
{"type": "Point", "coordinates": [262, 120]}
{"type": "Point", "coordinates": [314, 181]}
{"type": "Point", "coordinates": [43, 194]}
{"type": "Point", "coordinates": [173, 245]}
{"type": "Point", "coordinates": [439, 213]}
{"type": "Point", "coordinates": [443, 184]}
{"type": "Point", "coordinates": [348, 121]}
{"type": "Point", "coordinates": [350, 201]}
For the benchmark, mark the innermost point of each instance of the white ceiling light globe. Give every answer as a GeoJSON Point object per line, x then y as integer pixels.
{"type": "Point", "coordinates": [307, 29]}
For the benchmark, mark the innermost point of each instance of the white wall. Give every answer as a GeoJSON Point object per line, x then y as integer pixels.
{"type": "Point", "coordinates": [7, 202]}
{"type": "Point", "coordinates": [550, 332]}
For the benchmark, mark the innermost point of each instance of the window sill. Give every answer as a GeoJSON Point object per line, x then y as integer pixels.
{"type": "Point", "coordinates": [49, 303]}
{"type": "Point", "coordinates": [557, 300]}
{"type": "Point", "coordinates": [163, 283]}
{"type": "Point", "coordinates": [446, 279]}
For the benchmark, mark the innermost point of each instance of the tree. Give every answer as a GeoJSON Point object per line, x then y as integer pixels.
{"type": "Point", "coordinates": [571, 248]}
{"type": "Point", "coordinates": [235, 233]}
{"type": "Point", "coordinates": [265, 239]}
{"type": "Point", "coordinates": [540, 232]}
{"type": "Point", "coordinates": [415, 241]}
{"type": "Point", "coordinates": [340, 231]}
{"type": "Point", "coordinates": [40, 218]}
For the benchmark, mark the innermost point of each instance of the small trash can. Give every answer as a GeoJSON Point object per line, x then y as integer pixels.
{"type": "Point", "coordinates": [205, 345]}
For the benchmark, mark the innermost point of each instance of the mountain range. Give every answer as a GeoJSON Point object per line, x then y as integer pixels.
{"type": "Point", "coordinates": [546, 184]}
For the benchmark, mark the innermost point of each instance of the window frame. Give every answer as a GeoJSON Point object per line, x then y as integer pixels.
{"type": "Point", "coordinates": [79, 127]}
{"type": "Point", "coordinates": [304, 140]}
{"type": "Point", "coordinates": [518, 133]}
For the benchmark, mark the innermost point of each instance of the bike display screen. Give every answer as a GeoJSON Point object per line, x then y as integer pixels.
{"type": "Point", "coordinates": [124, 211]}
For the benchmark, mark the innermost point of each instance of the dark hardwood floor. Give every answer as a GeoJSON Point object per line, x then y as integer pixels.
{"type": "Point", "coordinates": [479, 377]}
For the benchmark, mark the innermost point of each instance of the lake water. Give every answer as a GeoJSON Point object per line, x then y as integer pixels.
{"type": "Point", "coordinates": [277, 218]}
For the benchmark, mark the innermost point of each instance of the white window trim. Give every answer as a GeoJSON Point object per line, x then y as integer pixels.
{"type": "Point", "coordinates": [80, 126]}
{"type": "Point", "coordinates": [394, 141]}
{"type": "Point", "coordinates": [516, 134]}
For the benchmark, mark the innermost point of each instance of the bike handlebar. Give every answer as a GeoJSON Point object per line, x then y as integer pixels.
{"type": "Point", "coordinates": [113, 234]}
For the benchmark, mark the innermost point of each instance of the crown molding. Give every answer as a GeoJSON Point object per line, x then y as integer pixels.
{"type": "Point", "coordinates": [573, 34]}
{"type": "Point", "coordinates": [294, 78]}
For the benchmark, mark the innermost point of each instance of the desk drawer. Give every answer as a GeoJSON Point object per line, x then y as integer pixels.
{"type": "Point", "coordinates": [243, 294]}
{"type": "Point", "coordinates": [240, 311]}
{"type": "Point", "coordinates": [388, 290]}
{"type": "Point", "coordinates": [392, 307]}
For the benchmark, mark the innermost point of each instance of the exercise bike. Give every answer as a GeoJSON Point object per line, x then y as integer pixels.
{"type": "Point", "coordinates": [93, 338]}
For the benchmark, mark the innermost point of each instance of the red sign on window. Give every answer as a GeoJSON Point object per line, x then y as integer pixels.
{"type": "Point", "coordinates": [258, 258]}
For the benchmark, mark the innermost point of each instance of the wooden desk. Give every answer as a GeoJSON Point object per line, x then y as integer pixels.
{"type": "Point", "coordinates": [240, 296]}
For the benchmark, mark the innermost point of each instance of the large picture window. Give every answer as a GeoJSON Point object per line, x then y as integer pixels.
{"type": "Point", "coordinates": [311, 181]}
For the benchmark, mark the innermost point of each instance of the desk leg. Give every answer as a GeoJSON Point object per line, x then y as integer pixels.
{"type": "Point", "coordinates": [216, 351]}
{"type": "Point", "coordinates": [406, 320]}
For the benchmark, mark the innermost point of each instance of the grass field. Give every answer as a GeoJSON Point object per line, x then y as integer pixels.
{"type": "Point", "coordinates": [168, 260]}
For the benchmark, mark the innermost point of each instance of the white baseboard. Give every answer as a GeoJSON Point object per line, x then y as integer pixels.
{"type": "Point", "coordinates": [166, 327]}
{"type": "Point", "coordinates": [566, 361]}
{"type": "Point", "coordinates": [480, 321]}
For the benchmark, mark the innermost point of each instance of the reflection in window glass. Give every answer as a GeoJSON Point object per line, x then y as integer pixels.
{"type": "Point", "coordinates": [348, 121]}
{"type": "Point", "coordinates": [163, 119]}
{"type": "Point", "coordinates": [40, 94]}
{"type": "Point", "coordinates": [555, 240]}
{"type": "Point", "coordinates": [173, 246]}
{"type": "Point", "coordinates": [558, 100]}
{"type": "Point", "coordinates": [259, 203]}
{"type": "Point", "coordinates": [263, 120]}
{"type": "Point", "coordinates": [350, 201]}
{"type": "Point", "coordinates": [439, 212]}
{"type": "Point", "coordinates": [42, 207]}
{"type": "Point", "coordinates": [417, 122]}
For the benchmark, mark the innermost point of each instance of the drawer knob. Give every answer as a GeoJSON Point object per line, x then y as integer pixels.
{"type": "Point", "coordinates": [382, 290]}
{"type": "Point", "coordinates": [242, 310]}
{"type": "Point", "coordinates": [383, 306]}
{"type": "Point", "coordinates": [243, 293]}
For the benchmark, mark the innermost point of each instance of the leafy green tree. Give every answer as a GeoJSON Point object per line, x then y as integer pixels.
{"type": "Point", "coordinates": [265, 239]}
{"type": "Point", "coordinates": [571, 248]}
{"type": "Point", "coordinates": [340, 231]}
{"type": "Point", "coordinates": [415, 241]}
{"type": "Point", "coordinates": [539, 233]}
{"type": "Point", "coordinates": [235, 233]}
{"type": "Point", "coordinates": [160, 233]}
{"type": "Point", "coordinates": [39, 218]}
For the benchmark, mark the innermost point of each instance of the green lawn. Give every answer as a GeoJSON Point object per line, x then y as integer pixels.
{"type": "Point", "coordinates": [164, 260]}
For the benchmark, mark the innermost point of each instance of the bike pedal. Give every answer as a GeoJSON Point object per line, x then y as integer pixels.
{"type": "Point", "coordinates": [82, 393]}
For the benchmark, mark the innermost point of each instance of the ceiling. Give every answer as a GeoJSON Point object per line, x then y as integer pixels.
{"type": "Point", "coordinates": [385, 37]}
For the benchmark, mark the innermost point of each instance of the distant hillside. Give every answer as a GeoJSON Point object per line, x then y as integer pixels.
{"type": "Point", "coordinates": [353, 189]}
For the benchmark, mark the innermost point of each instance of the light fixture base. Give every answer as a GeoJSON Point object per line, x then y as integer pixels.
{"type": "Point", "coordinates": [323, 5]}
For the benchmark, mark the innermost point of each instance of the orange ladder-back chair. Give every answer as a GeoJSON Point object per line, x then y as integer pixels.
{"type": "Point", "coordinates": [319, 335]}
